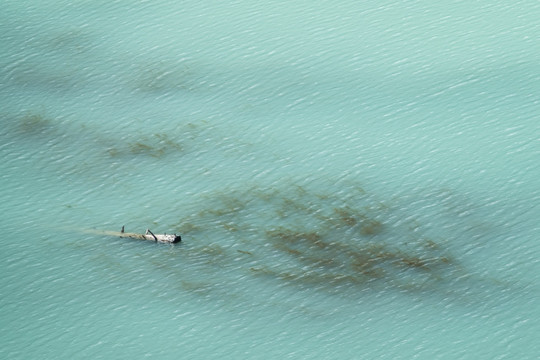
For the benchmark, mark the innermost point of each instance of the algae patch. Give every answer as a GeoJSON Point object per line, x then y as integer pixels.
{"type": "Point", "coordinates": [156, 145]}
{"type": "Point", "coordinates": [310, 238]}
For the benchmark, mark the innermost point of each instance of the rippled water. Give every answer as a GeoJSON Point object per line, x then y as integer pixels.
{"type": "Point", "coordinates": [350, 180]}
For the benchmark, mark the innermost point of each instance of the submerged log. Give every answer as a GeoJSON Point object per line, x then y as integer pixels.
{"type": "Point", "coordinates": [148, 235]}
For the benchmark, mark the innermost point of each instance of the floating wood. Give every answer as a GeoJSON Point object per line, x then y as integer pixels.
{"type": "Point", "coordinates": [148, 235]}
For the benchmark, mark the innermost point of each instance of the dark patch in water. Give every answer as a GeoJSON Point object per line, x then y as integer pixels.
{"type": "Point", "coordinates": [35, 124]}
{"type": "Point", "coordinates": [244, 252]}
{"type": "Point", "coordinates": [163, 76]}
{"type": "Point", "coordinates": [313, 239]}
{"type": "Point", "coordinates": [157, 145]}
{"type": "Point", "coordinates": [69, 41]}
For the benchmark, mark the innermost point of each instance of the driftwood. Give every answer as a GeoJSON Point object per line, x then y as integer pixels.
{"type": "Point", "coordinates": [148, 235]}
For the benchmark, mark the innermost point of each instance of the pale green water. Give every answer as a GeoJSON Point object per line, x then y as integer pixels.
{"type": "Point", "coordinates": [351, 181]}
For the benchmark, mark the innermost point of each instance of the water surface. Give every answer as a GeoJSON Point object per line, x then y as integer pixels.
{"type": "Point", "coordinates": [350, 180]}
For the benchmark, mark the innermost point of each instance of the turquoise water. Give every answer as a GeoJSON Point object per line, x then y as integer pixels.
{"type": "Point", "coordinates": [351, 181]}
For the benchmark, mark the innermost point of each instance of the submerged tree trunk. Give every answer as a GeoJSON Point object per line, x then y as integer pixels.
{"type": "Point", "coordinates": [148, 235]}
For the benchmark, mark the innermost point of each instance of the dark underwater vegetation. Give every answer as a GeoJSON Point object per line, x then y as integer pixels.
{"type": "Point", "coordinates": [314, 235]}
{"type": "Point", "coordinates": [343, 243]}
